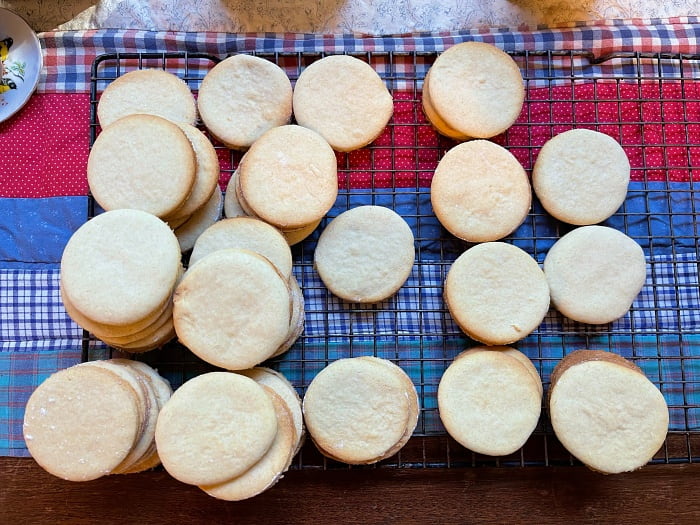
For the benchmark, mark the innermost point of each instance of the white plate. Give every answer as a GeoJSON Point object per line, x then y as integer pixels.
{"type": "Point", "coordinates": [22, 65]}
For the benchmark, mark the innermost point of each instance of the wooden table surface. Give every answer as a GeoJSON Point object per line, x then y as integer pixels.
{"type": "Point", "coordinates": [655, 494]}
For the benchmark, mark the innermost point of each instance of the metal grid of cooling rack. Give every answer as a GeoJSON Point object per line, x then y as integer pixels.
{"type": "Point", "coordinates": [648, 102]}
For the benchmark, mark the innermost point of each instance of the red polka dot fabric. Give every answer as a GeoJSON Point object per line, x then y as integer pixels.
{"type": "Point", "coordinates": [44, 147]}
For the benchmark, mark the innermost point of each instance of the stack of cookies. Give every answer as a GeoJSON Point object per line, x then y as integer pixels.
{"type": "Point", "coordinates": [231, 435]}
{"type": "Point", "coordinates": [490, 399]}
{"type": "Point", "coordinates": [361, 410]}
{"type": "Point", "coordinates": [150, 156]}
{"type": "Point", "coordinates": [96, 418]}
{"type": "Point", "coordinates": [118, 274]}
{"type": "Point", "coordinates": [234, 309]}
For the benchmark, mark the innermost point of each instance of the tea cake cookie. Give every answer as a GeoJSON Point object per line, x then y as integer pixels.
{"type": "Point", "coordinates": [142, 162]}
{"type": "Point", "coordinates": [357, 410]}
{"type": "Point", "coordinates": [189, 231]}
{"type": "Point", "coordinates": [581, 176]}
{"type": "Point", "coordinates": [247, 233]}
{"type": "Point", "coordinates": [269, 469]}
{"type": "Point", "coordinates": [215, 427]}
{"type": "Point", "coordinates": [606, 412]}
{"type": "Point", "coordinates": [365, 254]}
{"type": "Point", "coordinates": [242, 97]}
{"type": "Point", "coordinates": [496, 293]}
{"type": "Point", "coordinates": [512, 352]}
{"type": "Point", "coordinates": [151, 91]}
{"type": "Point", "coordinates": [232, 309]}
{"type": "Point", "coordinates": [283, 388]}
{"type": "Point", "coordinates": [489, 401]}
{"type": "Point", "coordinates": [288, 178]}
{"type": "Point", "coordinates": [120, 267]}
{"type": "Point", "coordinates": [344, 100]}
{"type": "Point", "coordinates": [480, 192]}
{"type": "Point", "coordinates": [206, 175]}
{"type": "Point", "coordinates": [82, 422]}
{"type": "Point", "coordinates": [594, 274]}
{"type": "Point", "coordinates": [475, 89]}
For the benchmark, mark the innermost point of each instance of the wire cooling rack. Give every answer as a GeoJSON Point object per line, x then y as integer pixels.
{"type": "Point", "coordinates": [649, 102]}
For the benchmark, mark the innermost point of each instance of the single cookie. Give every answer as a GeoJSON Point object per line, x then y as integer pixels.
{"type": "Point", "coordinates": [365, 254]}
{"type": "Point", "coordinates": [142, 162]}
{"type": "Point", "coordinates": [214, 428]}
{"type": "Point", "coordinates": [581, 176]}
{"type": "Point", "coordinates": [232, 309]}
{"type": "Point", "coordinates": [489, 402]}
{"type": "Point", "coordinates": [606, 412]}
{"type": "Point", "coordinates": [476, 90]}
{"type": "Point", "coordinates": [516, 354]}
{"type": "Point", "coordinates": [594, 274]}
{"type": "Point", "coordinates": [356, 410]}
{"type": "Point", "coordinates": [496, 293]}
{"type": "Point", "coordinates": [288, 178]}
{"type": "Point", "coordinates": [81, 423]}
{"type": "Point", "coordinates": [120, 267]}
{"type": "Point", "coordinates": [242, 97]}
{"type": "Point", "coordinates": [480, 192]}
{"type": "Point", "coordinates": [206, 174]}
{"type": "Point", "coordinates": [344, 100]}
{"type": "Point", "coordinates": [266, 472]}
{"type": "Point", "coordinates": [247, 233]}
{"type": "Point", "coordinates": [151, 91]}
{"type": "Point", "coordinates": [189, 231]}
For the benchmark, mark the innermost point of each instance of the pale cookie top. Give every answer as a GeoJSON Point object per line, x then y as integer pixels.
{"type": "Point", "coordinates": [81, 423]}
{"type": "Point", "coordinates": [488, 402]}
{"type": "Point", "coordinates": [356, 410]}
{"type": "Point", "coordinates": [151, 91]}
{"type": "Point", "coordinates": [516, 354]}
{"type": "Point", "coordinates": [206, 174]}
{"type": "Point", "coordinates": [242, 97]}
{"type": "Point", "coordinates": [289, 177]}
{"type": "Point", "coordinates": [610, 417]}
{"type": "Point", "coordinates": [120, 266]}
{"type": "Point", "coordinates": [232, 309]}
{"type": "Point", "coordinates": [247, 233]}
{"type": "Point", "coordinates": [477, 89]}
{"type": "Point", "coordinates": [595, 273]}
{"type": "Point", "coordinates": [480, 192]}
{"type": "Point", "coordinates": [269, 469]}
{"type": "Point", "coordinates": [496, 293]}
{"type": "Point", "coordinates": [433, 116]}
{"type": "Point", "coordinates": [142, 162]}
{"type": "Point", "coordinates": [214, 428]}
{"type": "Point", "coordinates": [581, 176]}
{"type": "Point", "coordinates": [365, 254]}
{"type": "Point", "coordinates": [344, 100]}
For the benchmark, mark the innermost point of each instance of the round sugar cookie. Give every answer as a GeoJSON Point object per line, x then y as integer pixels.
{"type": "Point", "coordinates": [496, 293]}
{"type": "Point", "coordinates": [365, 254]}
{"type": "Point", "coordinates": [215, 427]}
{"type": "Point", "coordinates": [480, 192]}
{"type": "Point", "coordinates": [476, 89]}
{"type": "Point", "coordinates": [206, 175]}
{"type": "Point", "coordinates": [288, 177]}
{"type": "Point", "coordinates": [266, 472]}
{"type": "Point", "coordinates": [81, 422]}
{"type": "Point", "coordinates": [247, 233]}
{"type": "Point", "coordinates": [581, 176]}
{"type": "Point", "coordinates": [232, 309]}
{"type": "Point", "coordinates": [151, 91]}
{"type": "Point", "coordinates": [189, 231]}
{"type": "Point", "coordinates": [242, 97]}
{"type": "Point", "coordinates": [356, 410]}
{"type": "Point", "coordinates": [344, 100]}
{"type": "Point", "coordinates": [489, 402]}
{"type": "Point", "coordinates": [142, 162]}
{"type": "Point", "coordinates": [515, 354]}
{"type": "Point", "coordinates": [434, 118]}
{"type": "Point", "coordinates": [606, 412]}
{"type": "Point", "coordinates": [120, 267]}
{"type": "Point", "coordinates": [594, 274]}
